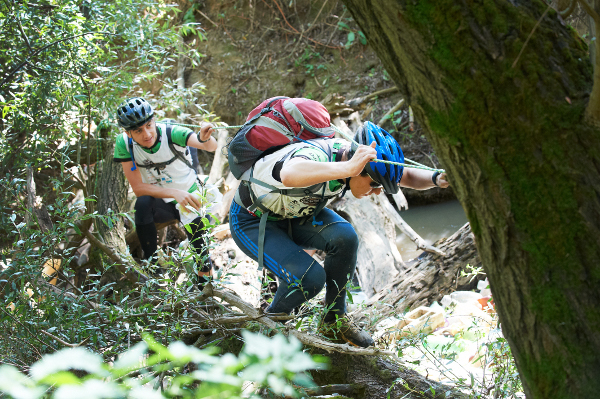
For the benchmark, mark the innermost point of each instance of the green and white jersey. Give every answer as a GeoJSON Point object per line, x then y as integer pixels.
{"type": "Point", "coordinates": [179, 136]}
{"type": "Point", "coordinates": [267, 170]}
{"type": "Point", "coordinates": [176, 175]}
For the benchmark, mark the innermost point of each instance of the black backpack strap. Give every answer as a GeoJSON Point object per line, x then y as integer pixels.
{"type": "Point", "coordinates": [177, 154]}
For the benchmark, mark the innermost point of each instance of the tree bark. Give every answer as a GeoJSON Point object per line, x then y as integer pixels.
{"type": "Point", "coordinates": [112, 195]}
{"type": "Point", "coordinates": [521, 159]}
{"type": "Point", "coordinates": [379, 377]}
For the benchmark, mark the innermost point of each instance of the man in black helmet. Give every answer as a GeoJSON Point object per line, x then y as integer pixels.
{"type": "Point", "coordinates": [159, 169]}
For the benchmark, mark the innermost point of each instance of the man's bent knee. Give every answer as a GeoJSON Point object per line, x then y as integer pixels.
{"type": "Point", "coordinates": [345, 240]}
{"type": "Point", "coordinates": [144, 210]}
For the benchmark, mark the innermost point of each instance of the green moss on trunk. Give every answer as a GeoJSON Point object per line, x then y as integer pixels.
{"type": "Point", "coordinates": [521, 160]}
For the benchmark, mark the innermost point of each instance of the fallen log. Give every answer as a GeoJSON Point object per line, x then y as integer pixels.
{"type": "Point", "coordinates": [429, 278]}
{"type": "Point", "coordinates": [359, 100]}
{"type": "Point", "coordinates": [307, 339]}
{"type": "Point", "coordinates": [220, 159]}
{"type": "Point", "coordinates": [373, 373]}
{"type": "Point", "coordinates": [377, 377]}
{"type": "Point", "coordinates": [389, 115]}
{"type": "Point", "coordinates": [391, 213]}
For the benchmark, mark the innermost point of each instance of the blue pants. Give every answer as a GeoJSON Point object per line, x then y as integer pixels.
{"type": "Point", "coordinates": [300, 276]}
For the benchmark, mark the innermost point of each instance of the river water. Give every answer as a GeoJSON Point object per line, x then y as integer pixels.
{"type": "Point", "coordinates": [431, 222]}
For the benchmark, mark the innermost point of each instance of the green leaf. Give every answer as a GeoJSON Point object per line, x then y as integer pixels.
{"type": "Point", "coordinates": [65, 359]}
{"type": "Point", "coordinates": [342, 25]}
{"type": "Point", "coordinates": [17, 385]}
{"type": "Point", "coordinates": [91, 389]}
{"type": "Point", "coordinates": [132, 358]}
{"type": "Point", "coordinates": [61, 378]}
{"type": "Point", "coordinates": [362, 38]}
{"type": "Point", "coordinates": [349, 294]}
{"type": "Point", "coordinates": [350, 39]}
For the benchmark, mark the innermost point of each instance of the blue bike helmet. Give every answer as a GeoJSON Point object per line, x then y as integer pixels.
{"type": "Point", "coordinates": [134, 113]}
{"type": "Point", "coordinates": [388, 149]}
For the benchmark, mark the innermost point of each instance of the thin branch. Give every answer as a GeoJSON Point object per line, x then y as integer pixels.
{"type": "Point", "coordinates": [569, 10]}
{"type": "Point", "coordinates": [296, 31]}
{"type": "Point", "coordinates": [21, 28]}
{"type": "Point", "coordinates": [209, 20]}
{"type": "Point", "coordinates": [65, 278]}
{"type": "Point", "coordinates": [393, 215]}
{"type": "Point", "coordinates": [241, 319]}
{"type": "Point", "coordinates": [64, 342]}
{"type": "Point", "coordinates": [341, 389]}
{"type": "Point", "coordinates": [120, 263]}
{"type": "Point", "coordinates": [36, 336]}
{"type": "Point", "coordinates": [590, 10]}
{"type": "Point", "coordinates": [390, 113]}
{"type": "Point", "coordinates": [357, 101]}
{"type": "Point", "coordinates": [315, 20]}
{"type": "Point", "coordinates": [529, 37]}
{"type": "Point", "coordinates": [37, 52]}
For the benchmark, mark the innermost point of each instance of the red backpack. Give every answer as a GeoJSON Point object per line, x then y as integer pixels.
{"type": "Point", "coordinates": [274, 123]}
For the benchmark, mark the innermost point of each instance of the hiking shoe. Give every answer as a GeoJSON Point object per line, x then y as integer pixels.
{"type": "Point", "coordinates": [344, 329]}
{"type": "Point", "coordinates": [202, 280]}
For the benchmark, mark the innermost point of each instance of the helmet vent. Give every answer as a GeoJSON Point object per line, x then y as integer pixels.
{"type": "Point", "coordinates": [134, 112]}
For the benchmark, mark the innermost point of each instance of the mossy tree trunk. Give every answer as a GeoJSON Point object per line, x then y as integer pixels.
{"type": "Point", "coordinates": [520, 157]}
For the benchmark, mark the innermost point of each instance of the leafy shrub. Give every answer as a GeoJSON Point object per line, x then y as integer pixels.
{"type": "Point", "coordinates": [150, 370]}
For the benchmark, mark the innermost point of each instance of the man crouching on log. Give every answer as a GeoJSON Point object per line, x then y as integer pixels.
{"type": "Point", "coordinates": [292, 186]}
{"type": "Point", "coordinates": [162, 176]}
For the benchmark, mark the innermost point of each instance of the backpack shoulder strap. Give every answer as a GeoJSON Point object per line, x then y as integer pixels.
{"type": "Point", "coordinates": [177, 154]}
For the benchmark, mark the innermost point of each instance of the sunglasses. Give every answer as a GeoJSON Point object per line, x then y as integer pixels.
{"type": "Point", "coordinates": [375, 184]}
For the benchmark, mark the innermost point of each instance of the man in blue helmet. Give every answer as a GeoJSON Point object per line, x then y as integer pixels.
{"type": "Point", "coordinates": [159, 169]}
{"type": "Point", "coordinates": [290, 187]}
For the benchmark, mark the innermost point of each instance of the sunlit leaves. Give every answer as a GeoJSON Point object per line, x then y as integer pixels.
{"type": "Point", "coordinates": [266, 361]}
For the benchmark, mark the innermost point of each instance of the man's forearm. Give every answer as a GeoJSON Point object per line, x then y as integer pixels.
{"type": "Point", "coordinates": [418, 179]}
{"type": "Point", "coordinates": [210, 145]}
{"type": "Point", "coordinates": [153, 191]}
{"type": "Point", "coordinates": [305, 173]}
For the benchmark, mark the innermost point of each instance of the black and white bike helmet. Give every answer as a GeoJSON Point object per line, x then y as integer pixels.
{"type": "Point", "coordinates": [134, 112]}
